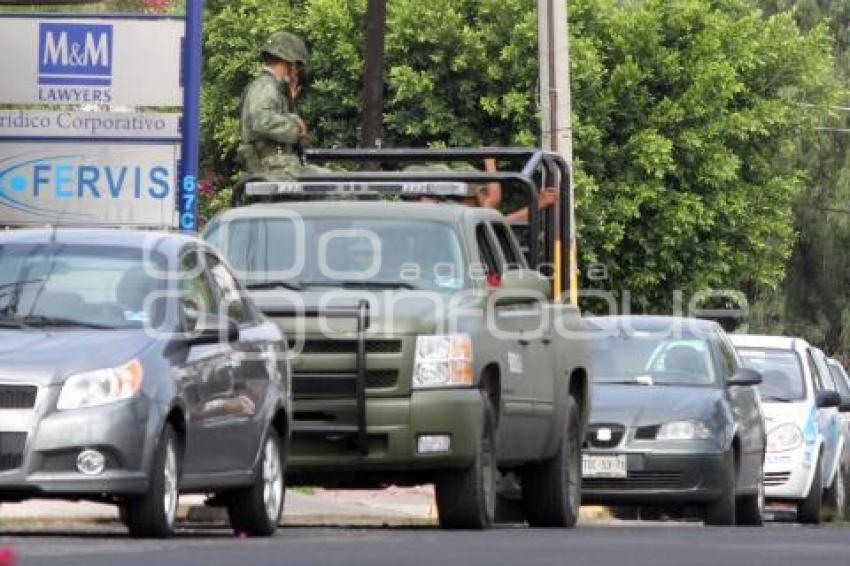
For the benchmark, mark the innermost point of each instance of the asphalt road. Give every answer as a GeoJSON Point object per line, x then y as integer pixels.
{"type": "Point", "coordinates": [623, 544]}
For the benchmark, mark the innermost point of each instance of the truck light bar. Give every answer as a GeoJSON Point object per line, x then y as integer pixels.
{"type": "Point", "coordinates": [414, 188]}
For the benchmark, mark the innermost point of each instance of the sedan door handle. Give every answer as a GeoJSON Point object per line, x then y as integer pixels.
{"type": "Point", "coordinates": [546, 340]}
{"type": "Point", "coordinates": [523, 342]}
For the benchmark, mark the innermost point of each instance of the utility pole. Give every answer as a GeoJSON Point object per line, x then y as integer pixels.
{"type": "Point", "coordinates": [371, 127]}
{"type": "Point", "coordinates": [555, 107]}
{"type": "Point", "coordinates": [555, 123]}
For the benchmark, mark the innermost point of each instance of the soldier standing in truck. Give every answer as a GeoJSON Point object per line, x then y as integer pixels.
{"type": "Point", "coordinates": [271, 128]}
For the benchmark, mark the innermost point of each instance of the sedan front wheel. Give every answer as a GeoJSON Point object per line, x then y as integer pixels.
{"type": "Point", "coordinates": [153, 514]}
{"type": "Point", "coordinates": [256, 511]}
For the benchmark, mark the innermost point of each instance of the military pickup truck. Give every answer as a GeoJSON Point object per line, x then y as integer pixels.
{"type": "Point", "coordinates": [427, 345]}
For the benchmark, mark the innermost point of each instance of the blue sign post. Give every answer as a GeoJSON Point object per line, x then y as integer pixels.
{"type": "Point", "coordinates": [190, 158]}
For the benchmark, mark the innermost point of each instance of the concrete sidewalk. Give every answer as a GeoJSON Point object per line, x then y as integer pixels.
{"type": "Point", "coordinates": [309, 507]}
{"type": "Point", "coordinates": [303, 506]}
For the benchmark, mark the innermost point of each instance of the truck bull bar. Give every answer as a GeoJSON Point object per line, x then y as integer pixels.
{"type": "Point", "coordinates": [342, 381]}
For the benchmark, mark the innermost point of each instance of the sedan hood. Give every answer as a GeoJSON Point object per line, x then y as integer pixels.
{"type": "Point", "coordinates": [642, 405]}
{"type": "Point", "coordinates": [400, 312]}
{"type": "Point", "coordinates": [45, 357]}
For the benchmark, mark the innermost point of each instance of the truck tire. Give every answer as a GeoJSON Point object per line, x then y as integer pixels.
{"type": "Point", "coordinates": [835, 497]}
{"type": "Point", "coordinates": [551, 491]}
{"type": "Point", "coordinates": [721, 513]}
{"type": "Point", "coordinates": [466, 498]}
{"type": "Point", "coordinates": [152, 515]}
{"type": "Point", "coordinates": [809, 510]}
{"type": "Point", "coordinates": [256, 510]}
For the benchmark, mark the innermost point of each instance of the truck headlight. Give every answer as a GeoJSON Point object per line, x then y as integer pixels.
{"type": "Point", "coordinates": [443, 361]}
{"type": "Point", "coordinates": [684, 430]}
{"type": "Point", "coordinates": [784, 438]}
{"type": "Point", "coordinates": [101, 386]}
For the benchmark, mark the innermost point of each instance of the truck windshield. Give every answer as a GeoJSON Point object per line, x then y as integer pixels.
{"type": "Point", "coordinates": [646, 359]}
{"type": "Point", "coordinates": [364, 253]}
{"type": "Point", "coordinates": [59, 285]}
{"type": "Point", "coordinates": [781, 373]}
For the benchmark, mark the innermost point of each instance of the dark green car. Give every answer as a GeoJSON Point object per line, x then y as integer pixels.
{"type": "Point", "coordinates": [425, 351]}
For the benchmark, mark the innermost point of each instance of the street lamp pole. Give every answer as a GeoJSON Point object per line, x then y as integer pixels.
{"type": "Point", "coordinates": [555, 112]}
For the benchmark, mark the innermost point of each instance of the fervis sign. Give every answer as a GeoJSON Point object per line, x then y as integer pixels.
{"type": "Point", "coordinates": [114, 184]}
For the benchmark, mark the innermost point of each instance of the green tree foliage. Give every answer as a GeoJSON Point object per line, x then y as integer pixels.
{"type": "Point", "coordinates": [813, 301]}
{"type": "Point", "coordinates": [680, 112]}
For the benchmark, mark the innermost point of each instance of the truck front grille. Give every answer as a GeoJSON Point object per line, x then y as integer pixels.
{"type": "Point", "coordinates": [325, 346]}
{"type": "Point", "coordinates": [333, 385]}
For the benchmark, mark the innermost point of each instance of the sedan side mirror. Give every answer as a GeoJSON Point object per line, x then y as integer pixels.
{"type": "Point", "coordinates": [744, 377]}
{"type": "Point", "coordinates": [826, 399]}
{"type": "Point", "coordinates": [212, 329]}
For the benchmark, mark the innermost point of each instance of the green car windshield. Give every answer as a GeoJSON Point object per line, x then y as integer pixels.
{"type": "Point", "coordinates": [366, 253]}
{"type": "Point", "coordinates": [645, 358]}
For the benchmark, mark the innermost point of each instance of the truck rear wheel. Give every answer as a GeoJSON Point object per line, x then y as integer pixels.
{"type": "Point", "coordinates": [551, 490]}
{"type": "Point", "coordinates": [466, 498]}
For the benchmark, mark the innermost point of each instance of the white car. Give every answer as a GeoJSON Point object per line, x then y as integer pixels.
{"type": "Point", "coordinates": [800, 404]}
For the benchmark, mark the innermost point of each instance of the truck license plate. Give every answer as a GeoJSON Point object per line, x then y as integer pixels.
{"type": "Point", "coordinates": [594, 466]}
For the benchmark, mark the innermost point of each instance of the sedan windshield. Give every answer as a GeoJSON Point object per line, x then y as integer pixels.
{"type": "Point", "coordinates": [60, 285]}
{"type": "Point", "coordinates": [781, 373]}
{"type": "Point", "coordinates": [648, 359]}
{"type": "Point", "coordinates": [364, 253]}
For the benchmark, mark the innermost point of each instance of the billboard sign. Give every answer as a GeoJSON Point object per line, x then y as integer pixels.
{"type": "Point", "coordinates": [91, 60]}
{"type": "Point", "coordinates": [128, 184]}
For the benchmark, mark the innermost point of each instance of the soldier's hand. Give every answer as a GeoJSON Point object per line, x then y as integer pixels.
{"type": "Point", "coordinates": [547, 198]}
{"type": "Point", "coordinates": [302, 127]}
{"type": "Point", "coordinates": [294, 89]}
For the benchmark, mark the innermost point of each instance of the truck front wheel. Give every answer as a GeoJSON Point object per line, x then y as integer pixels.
{"type": "Point", "coordinates": [550, 490]}
{"type": "Point", "coordinates": [466, 498]}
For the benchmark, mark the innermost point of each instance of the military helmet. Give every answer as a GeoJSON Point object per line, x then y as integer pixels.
{"type": "Point", "coordinates": [286, 46]}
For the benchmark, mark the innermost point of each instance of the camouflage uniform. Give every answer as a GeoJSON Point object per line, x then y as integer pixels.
{"type": "Point", "coordinates": [270, 124]}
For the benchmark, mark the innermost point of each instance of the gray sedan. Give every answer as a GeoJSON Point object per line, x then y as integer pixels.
{"type": "Point", "coordinates": [133, 368]}
{"type": "Point", "coordinates": [676, 423]}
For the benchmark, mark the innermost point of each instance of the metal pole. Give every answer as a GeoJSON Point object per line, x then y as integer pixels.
{"type": "Point", "coordinates": [555, 122]}
{"type": "Point", "coordinates": [191, 126]}
{"type": "Point", "coordinates": [371, 128]}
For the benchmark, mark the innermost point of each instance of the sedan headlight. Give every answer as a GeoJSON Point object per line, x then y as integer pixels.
{"type": "Point", "coordinates": [443, 361]}
{"type": "Point", "coordinates": [784, 438]}
{"type": "Point", "coordinates": [101, 386]}
{"type": "Point", "coordinates": [684, 430]}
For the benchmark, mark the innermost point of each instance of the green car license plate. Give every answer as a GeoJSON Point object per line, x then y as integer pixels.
{"type": "Point", "coordinates": [607, 466]}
